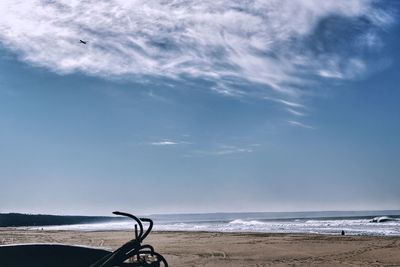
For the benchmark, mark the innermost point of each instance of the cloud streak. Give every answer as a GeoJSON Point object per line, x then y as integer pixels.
{"type": "Point", "coordinates": [295, 112]}
{"type": "Point", "coordinates": [290, 104]}
{"type": "Point", "coordinates": [223, 150]}
{"type": "Point", "coordinates": [257, 42]}
{"type": "Point", "coordinates": [166, 142]}
{"type": "Point", "coordinates": [302, 125]}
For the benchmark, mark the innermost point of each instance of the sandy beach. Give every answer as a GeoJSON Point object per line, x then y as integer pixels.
{"type": "Point", "coordinates": [235, 249]}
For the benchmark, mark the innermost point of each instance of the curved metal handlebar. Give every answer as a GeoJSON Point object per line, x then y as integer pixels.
{"type": "Point", "coordinates": [148, 229]}
{"type": "Point", "coordinates": [132, 247]}
{"type": "Point", "coordinates": [134, 218]}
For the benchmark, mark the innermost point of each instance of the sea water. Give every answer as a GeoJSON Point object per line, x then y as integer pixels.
{"type": "Point", "coordinates": [352, 223]}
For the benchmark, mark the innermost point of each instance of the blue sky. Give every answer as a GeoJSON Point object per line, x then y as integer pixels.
{"type": "Point", "coordinates": [178, 106]}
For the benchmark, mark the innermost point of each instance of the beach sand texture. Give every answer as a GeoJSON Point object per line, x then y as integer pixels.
{"type": "Point", "coordinates": [235, 249]}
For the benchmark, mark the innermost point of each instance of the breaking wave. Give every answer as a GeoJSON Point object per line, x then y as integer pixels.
{"type": "Point", "coordinates": [311, 226]}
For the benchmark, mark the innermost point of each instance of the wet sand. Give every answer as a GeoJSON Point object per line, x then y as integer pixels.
{"type": "Point", "coordinates": [235, 249]}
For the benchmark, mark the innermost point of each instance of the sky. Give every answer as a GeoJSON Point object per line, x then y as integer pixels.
{"type": "Point", "coordinates": [179, 106]}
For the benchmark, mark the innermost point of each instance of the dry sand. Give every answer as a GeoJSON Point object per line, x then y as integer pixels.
{"type": "Point", "coordinates": [236, 249]}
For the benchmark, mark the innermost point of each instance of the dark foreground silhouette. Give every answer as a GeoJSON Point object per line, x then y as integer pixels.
{"type": "Point", "coordinates": [18, 219]}
{"type": "Point", "coordinates": [132, 253]}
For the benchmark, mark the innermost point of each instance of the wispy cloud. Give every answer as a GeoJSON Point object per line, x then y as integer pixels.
{"type": "Point", "coordinates": [227, 90]}
{"type": "Point", "coordinates": [302, 125]}
{"type": "Point", "coordinates": [222, 150]}
{"type": "Point", "coordinates": [295, 112]}
{"type": "Point", "coordinates": [260, 42]}
{"type": "Point", "coordinates": [163, 143]}
{"type": "Point", "coordinates": [167, 142]}
{"type": "Point", "coordinates": [157, 97]}
{"type": "Point", "coordinates": [290, 104]}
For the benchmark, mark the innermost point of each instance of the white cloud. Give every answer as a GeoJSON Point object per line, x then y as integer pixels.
{"type": "Point", "coordinates": [300, 124]}
{"type": "Point", "coordinates": [295, 112]}
{"type": "Point", "coordinates": [166, 142]}
{"type": "Point", "coordinates": [222, 150]}
{"type": "Point", "coordinates": [224, 89]}
{"type": "Point", "coordinates": [257, 41]}
{"type": "Point", "coordinates": [163, 143]}
{"type": "Point", "coordinates": [290, 103]}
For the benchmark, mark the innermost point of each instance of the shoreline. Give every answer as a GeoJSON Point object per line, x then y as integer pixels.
{"type": "Point", "coordinates": [234, 249]}
{"type": "Point", "coordinates": [36, 228]}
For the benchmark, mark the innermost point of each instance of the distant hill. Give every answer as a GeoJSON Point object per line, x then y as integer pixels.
{"type": "Point", "coordinates": [18, 219]}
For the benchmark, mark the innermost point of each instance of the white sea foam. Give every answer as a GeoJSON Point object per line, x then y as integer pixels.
{"type": "Point", "coordinates": [331, 226]}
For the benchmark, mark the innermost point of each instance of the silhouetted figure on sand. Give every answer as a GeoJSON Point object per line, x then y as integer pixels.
{"type": "Point", "coordinates": [343, 232]}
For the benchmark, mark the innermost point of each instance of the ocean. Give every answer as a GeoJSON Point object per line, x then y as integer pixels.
{"type": "Point", "coordinates": [352, 223]}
